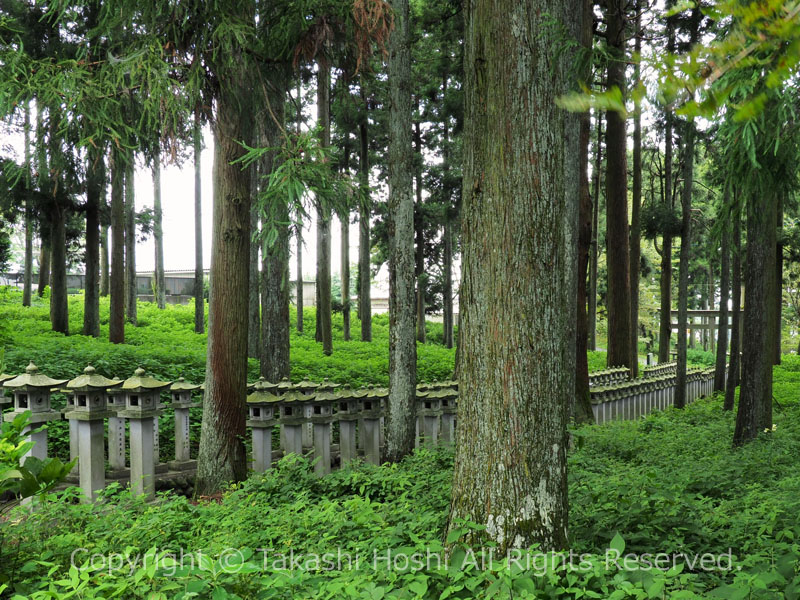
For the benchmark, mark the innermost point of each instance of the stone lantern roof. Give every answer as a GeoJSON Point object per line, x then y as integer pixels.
{"type": "Point", "coordinates": [181, 385]}
{"type": "Point", "coordinates": [141, 382]}
{"type": "Point", "coordinates": [91, 380]}
{"type": "Point", "coordinates": [5, 377]}
{"type": "Point", "coordinates": [33, 379]}
{"type": "Point", "coordinates": [285, 385]}
{"type": "Point", "coordinates": [263, 397]}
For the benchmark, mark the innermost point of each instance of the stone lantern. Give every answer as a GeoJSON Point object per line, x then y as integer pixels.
{"type": "Point", "coordinates": [429, 412]}
{"type": "Point", "coordinates": [348, 414]}
{"type": "Point", "coordinates": [262, 409]}
{"type": "Point", "coordinates": [181, 392]}
{"type": "Point", "coordinates": [142, 395]}
{"type": "Point", "coordinates": [449, 406]}
{"type": "Point", "coordinates": [32, 393]}
{"type": "Point", "coordinates": [89, 393]}
{"type": "Point", "coordinates": [116, 431]}
{"type": "Point", "coordinates": [308, 388]}
{"type": "Point", "coordinates": [292, 418]}
{"type": "Point", "coordinates": [3, 399]}
{"type": "Point", "coordinates": [321, 410]}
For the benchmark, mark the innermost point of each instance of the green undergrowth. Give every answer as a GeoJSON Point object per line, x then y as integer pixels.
{"type": "Point", "coordinates": [165, 344]}
{"type": "Point", "coordinates": [670, 484]}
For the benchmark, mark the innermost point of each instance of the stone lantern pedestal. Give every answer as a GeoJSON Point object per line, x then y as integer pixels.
{"type": "Point", "coordinates": [142, 395]}
{"type": "Point", "coordinates": [371, 431]}
{"type": "Point", "coordinates": [321, 419]}
{"type": "Point", "coordinates": [292, 419]}
{"type": "Point", "coordinates": [89, 394]}
{"type": "Point", "coordinates": [181, 403]}
{"type": "Point", "coordinates": [262, 408]}
{"type": "Point", "coordinates": [348, 415]}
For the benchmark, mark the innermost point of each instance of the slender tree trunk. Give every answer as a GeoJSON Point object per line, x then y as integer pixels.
{"type": "Point", "coordinates": [581, 409]}
{"type": "Point", "coordinates": [711, 292]}
{"type": "Point", "coordinates": [222, 457]}
{"type": "Point", "coordinates": [59, 316]}
{"type": "Point", "coordinates": [345, 259]}
{"type": "Point", "coordinates": [324, 333]}
{"type": "Point", "coordinates": [636, 230]}
{"type": "Point", "coordinates": [199, 300]}
{"type": "Point", "coordinates": [94, 190]}
{"type": "Point", "coordinates": [158, 233]}
{"type": "Point", "coordinates": [254, 297]}
{"type": "Point", "coordinates": [665, 316]}
{"type": "Point", "coordinates": [28, 268]}
{"type": "Point", "coordinates": [365, 212]}
{"type": "Point", "coordinates": [275, 258]}
{"type": "Point", "coordinates": [130, 244]}
{"type": "Point", "coordinates": [344, 221]}
{"type": "Point", "coordinates": [777, 309]}
{"type": "Point", "coordinates": [736, 301]}
{"type": "Point", "coordinates": [104, 265]}
{"type": "Point", "coordinates": [402, 342]}
{"type": "Point", "coordinates": [447, 289]}
{"type": "Point", "coordinates": [618, 298]}
{"type": "Point", "coordinates": [116, 319]}
{"type": "Point", "coordinates": [518, 291]}
{"type": "Point", "coordinates": [722, 329]}
{"type": "Point", "coordinates": [755, 395]}
{"type": "Point", "coordinates": [683, 284]}
{"type": "Point", "coordinates": [595, 234]}
{"type": "Point", "coordinates": [299, 286]}
{"type": "Point", "coordinates": [419, 232]}
{"type": "Point", "coordinates": [44, 261]}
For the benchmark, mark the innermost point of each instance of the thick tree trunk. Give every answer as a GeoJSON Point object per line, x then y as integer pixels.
{"type": "Point", "coordinates": [104, 265]}
{"type": "Point", "coordinates": [199, 301]}
{"type": "Point", "coordinates": [365, 212]}
{"type": "Point", "coordinates": [324, 333]}
{"type": "Point", "coordinates": [275, 259]}
{"type": "Point", "coordinates": [130, 244]}
{"type": "Point", "coordinates": [116, 318]}
{"type": "Point", "coordinates": [222, 457]}
{"type": "Point", "coordinates": [755, 395]}
{"type": "Point", "coordinates": [636, 229]}
{"type": "Point", "coordinates": [59, 315]}
{"type": "Point", "coordinates": [722, 329]}
{"type": "Point", "coordinates": [618, 298]}
{"type": "Point", "coordinates": [683, 269]}
{"type": "Point", "coordinates": [581, 409]}
{"type": "Point", "coordinates": [402, 322]}
{"type": "Point", "coordinates": [593, 253]}
{"type": "Point", "coordinates": [736, 301]}
{"type": "Point", "coordinates": [518, 291]}
{"type": "Point", "coordinates": [94, 192]}
{"type": "Point", "coordinates": [27, 281]}
{"type": "Point", "coordinates": [158, 234]}
{"type": "Point", "coordinates": [419, 233]}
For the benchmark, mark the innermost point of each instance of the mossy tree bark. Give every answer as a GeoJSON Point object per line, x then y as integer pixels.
{"type": "Point", "coordinates": [518, 286]}
{"type": "Point", "coordinates": [402, 312]}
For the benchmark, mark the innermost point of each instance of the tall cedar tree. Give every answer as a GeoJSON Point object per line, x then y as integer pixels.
{"type": "Point", "coordinates": [618, 299]}
{"type": "Point", "coordinates": [400, 435]}
{"type": "Point", "coordinates": [518, 290]}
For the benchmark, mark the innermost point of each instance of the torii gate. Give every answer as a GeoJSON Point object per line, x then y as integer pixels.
{"type": "Point", "coordinates": [706, 320]}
